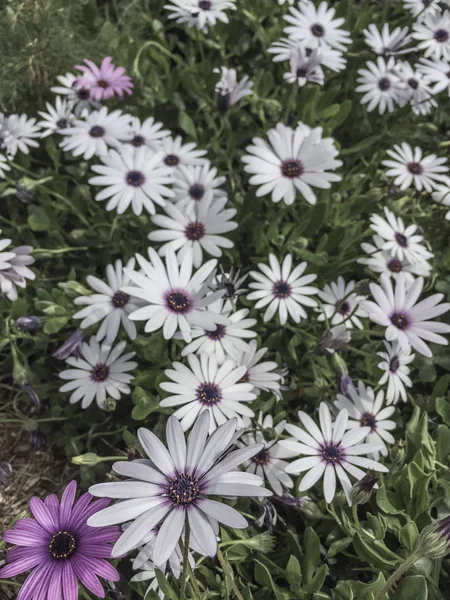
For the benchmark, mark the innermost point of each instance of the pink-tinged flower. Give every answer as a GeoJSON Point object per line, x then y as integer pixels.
{"type": "Point", "coordinates": [61, 548]}
{"type": "Point", "coordinates": [104, 82]}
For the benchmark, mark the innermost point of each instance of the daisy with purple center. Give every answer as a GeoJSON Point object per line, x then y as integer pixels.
{"type": "Point", "coordinates": [61, 548]}
{"type": "Point", "coordinates": [282, 288]}
{"type": "Point", "coordinates": [406, 320]}
{"type": "Point", "coordinates": [175, 153]}
{"type": "Point", "coordinates": [433, 34]}
{"type": "Point", "coordinates": [437, 72]}
{"type": "Point", "coordinates": [341, 304]}
{"type": "Point", "coordinates": [410, 167]}
{"type": "Point", "coordinates": [381, 85]}
{"type": "Point", "coordinates": [103, 82]}
{"type": "Point", "coordinates": [262, 375]}
{"type": "Point", "coordinates": [329, 452]}
{"type": "Point", "coordinates": [78, 97]}
{"type": "Point", "coordinates": [396, 371]}
{"type": "Point", "coordinates": [147, 133]}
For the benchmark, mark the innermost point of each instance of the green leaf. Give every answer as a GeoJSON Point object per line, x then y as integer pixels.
{"type": "Point", "coordinates": [38, 219]}
{"type": "Point", "coordinates": [413, 587]}
{"type": "Point", "coordinates": [187, 125]}
{"type": "Point", "coordinates": [55, 324]}
{"type": "Point", "coordinates": [165, 586]}
{"type": "Point", "coordinates": [293, 572]}
{"type": "Point", "coordinates": [442, 435]}
{"type": "Point", "coordinates": [311, 553]}
{"type": "Point", "coordinates": [441, 386]}
{"type": "Point", "coordinates": [375, 553]}
{"type": "Point", "coordinates": [408, 535]}
{"type": "Point", "coordinates": [443, 409]}
{"type": "Point", "coordinates": [263, 577]}
{"type": "Point", "coordinates": [384, 501]}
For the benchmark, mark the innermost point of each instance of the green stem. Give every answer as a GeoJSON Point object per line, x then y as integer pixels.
{"type": "Point", "coordinates": [185, 558]}
{"type": "Point", "coordinates": [355, 517]}
{"type": "Point", "coordinates": [193, 581]}
{"type": "Point", "coordinates": [51, 251]}
{"type": "Point", "coordinates": [398, 573]}
{"type": "Point", "coordinates": [228, 574]}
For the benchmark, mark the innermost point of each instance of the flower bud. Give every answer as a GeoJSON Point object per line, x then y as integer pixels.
{"type": "Point", "coordinates": [133, 453]}
{"type": "Point", "coordinates": [334, 339]}
{"type": "Point", "coordinates": [31, 393]}
{"type": "Point", "coordinates": [89, 459]}
{"type": "Point", "coordinates": [434, 540]}
{"type": "Point", "coordinates": [362, 489]}
{"type": "Point", "coordinates": [110, 405]}
{"type": "Point", "coordinates": [30, 323]}
{"type": "Point", "coordinates": [344, 383]}
{"type": "Point", "coordinates": [71, 346]}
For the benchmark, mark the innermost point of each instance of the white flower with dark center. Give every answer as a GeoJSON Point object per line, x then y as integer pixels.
{"type": "Point", "coordinates": [200, 13]}
{"type": "Point", "coordinates": [381, 85]}
{"type": "Point", "coordinates": [382, 261]}
{"type": "Point", "coordinates": [284, 289]}
{"type": "Point", "coordinates": [417, 89]}
{"type": "Point", "coordinates": [328, 57]}
{"type": "Point", "coordinates": [101, 371]}
{"type": "Point", "coordinates": [147, 133]}
{"type": "Point", "coordinates": [57, 118]}
{"type": "Point", "coordinates": [385, 41]}
{"type": "Point", "coordinates": [17, 133]}
{"type": "Point", "coordinates": [341, 304]}
{"type": "Point", "coordinates": [17, 273]}
{"type": "Point", "coordinates": [268, 463]}
{"type": "Point", "coordinates": [176, 484]}
{"type": "Point", "coordinates": [208, 386]}
{"type": "Point", "coordinates": [366, 410]}
{"type": "Point", "coordinates": [329, 451]}
{"type": "Point", "coordinates": [402, 242]}
{"type": "Point", "coordinates": [94, 136]}
{"type": "Point", "coordinates": [409, 167]}
{"type": "Point", "coordinates": [228, 90]}
{"type": "Point", "coordinates": [437, 72]}
{"type": "Point", "coordinates": [78, 97]}
{"type": "Point", "coordinates": [293, 161]}
{"type": "Point", "coordinates": [3, 166]}
{"type": "Point", "coordinates": [177, 154]}
{"type": "Point", "coordinates": [175, 299]}
{"type": "Point", "coordinates": [196, 230]}
{"type": "Point", "coordinates": [316, 27]}
{"type": "Point", "coordinates": [5, 258]}
{"type": "Point", "coordinates": [433, 34]}
{"type": "Point", "coordinates": [406, 320]}
{"type": "Point", "coordinates": [231, 283]}
{"type": "Point", "coordinates": [226, 341]}
{"type": "Point", "coordinates": [109, 304]}
{"type": "Point", "coordinates": [194, 183]}
{"type": "Point", "coordinates": [304, 67]}
{"type": "Point", "coordinates": [263, 376]}
{"type": "Point", "coordinates": [442, 196]}
{"type": "Point", "coordinates": [421, 9]}
{"type": "Point", "coordinates": [396, 371]}
{"type": "Point", "coordinates": [133, 177]}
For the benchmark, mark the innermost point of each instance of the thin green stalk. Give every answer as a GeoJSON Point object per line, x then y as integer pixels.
{"type": "Point", "coordinates": [228, 574]}
{"type": "Point", "coordinates": [397, 574]}
{"type": "Point", "coordinates": [193, 581]}
{"type": "Point", "coordinates": [185, 558]}
{"type": "Point", "coordinates": [355, 517]}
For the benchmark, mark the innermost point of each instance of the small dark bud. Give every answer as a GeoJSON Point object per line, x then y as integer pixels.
{"type": "Point", "coordinates": [133, 453]}
{"type": "Point", "coordinates": [30, 323]}
{"type": "Point", "coordinates": [5, 472]}
{"type": "Point", "coordinates": [333, 340]}
{"type": "Point", "coordinates": [362, 489]}
{"type": "Point", "coordinates": [269, 517]}
{"type": "Point", "coordinates": [71, 346]}
{"type": "Point", "coordinates": [24, 194]}
{"type": "Point", "coordinates": [344, 383]}
{"type": "Point", "coordinates": [37, 439]}
{"type": "Point", "coordinates": [31, 393]}
{"type": "Point", "coordinates": [222, 102]}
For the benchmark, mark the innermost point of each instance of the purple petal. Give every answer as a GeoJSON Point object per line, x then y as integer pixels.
{"type": "Point", "coordinates": [21, 565]}
{"type": "Point", "coordinates": [69, 582]}
{"type": "Point", "coordinates": [42, 515]}
{"type": "Point", "coordinates": [95, 549]}
{"type": "Point", "coordinates": [30, 526]}
{"type": "Point", "coordinates": [103, 569]}
{"type": "Point", "coordinates": [76, 518]}
{"type": "Point", "coordinates": [66, 504]}
{"type": "Point", "coordinates": [25, 538]}
{"type": "Point", "coordinates": [54, 589]}
{"type": "Point", "coordinates": [101, 534]}
{"type": "Point", "coordinates": [32, 584]}
{"type": "Point", "coordinates": [20, 552]}
{"type": "Point", "coordinates": [96, 506]}
{"type": "Point", "coordinates": [83, 571]}
{"type": "Point", "coordinates": [52, 503]}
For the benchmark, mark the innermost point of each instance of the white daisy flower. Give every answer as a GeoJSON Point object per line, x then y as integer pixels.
{"type": "Point", "coordinates": [226, 341]}
{"type": "Point", "coordinates": [200, 13]}
{"type": "Point", "coordinates": [341, 304]}
{"type": "Point", "coordinates": [422, 8]}
{"type": "Point", "coordinates": [194, 183]}
{"type": "Point", "coordinates": [316, 27]}
{"type": "Point", "coordinates": [147, 133]}
{"type": "Point", "coordinates": [366, 410]}
{"type": "Point", "coordinates": [94, 136]}
{"type": "Point", "coordinates": [437, 72]}
{"type": "Point", "coordinates": [381, 85]}
{"type": "Point", "coordinates": [109, 304]}
{"type": "Point", "coordinates": [409, 167]}
{"type": "Point", "coordinates": [417, 89]}
{"type": "Point", "coordinates": [176, 486]}
{"type": "Point", "coordinates": [402, 242]}
{"type": "Point", "coordinates": [385, 41]}
{"type": "Point", "coordinates": [101, 371]}
{"type": "Point", "coordinates": [396, 371]}
{"type": "Point", "coordinates": [442, 196]}
{"type": "Point", "coordinates": [433, 34]}
{"type": "Point", "coordinates": [133, 177]}
{"type": "Point", "coordinates": [304, 67]}
{"type": "Point", "coordinates": [293, 161]}
{"type": "Point", "coordinates": [5, 257]}
{"type": "Point", "coordinates": [208, 386]}
{"type": "Point", "coordinates": [329, 451]}
{"type": "Point", "coordinates": [268, 463]}
{"type": "Point", "coordinates": [284, 289]}
{"type": "Point", "coordinates": [147, 572]}
{"type": "Point", "coordinates": [57, 118]}
{"type": "Point", "coordinates": [229, 91]}
{"type": "Point", "coordinates": [406, 320]}
{"type": "Point", "coordinates": [263, 376]}
{"type": "Point", "coordinates": [18, 133]}
{"type": "Point", "coordinates": [3, 166]}
{"type": "Point", "coordinates": [196, 230]}
{"type": "Point", "coordinates": [175, 299]}
{"type": "Point", "coordinates": [17, 273]}
{"type": "Point", "coordinates": [382, 261]}
{"type": "Point", "coordinates": [328, 57]}
{"type": "Point", "coordinates": [177, 154]}
{"type": "Point", "coordinates": [78, 97]}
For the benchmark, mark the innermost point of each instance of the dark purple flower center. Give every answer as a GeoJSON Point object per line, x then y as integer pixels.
{"type": "Point", "coordinates": [401, 239]}
{"type": "Point", "coordinates": [394, 364]}
{"type": "Point", "coordinates": [102, 83]}
{"type": "Point", "coordinates": [100, 373]}
{"type": "Point", "coordinates": [415, 168]}
{"type": "Point", "coordinates": [441, 35]}
{"type": "Point", "coordinates": [302, 72]}
{"type": "Point", "coordinates": [194, 231]}
{"type": "Point", "coordinates": [384, 84]}
{"type": "Point", "coordinates": [262, 458]}
{"type": "Point", "coordinates": [343, 307]}
{"type": "Point", "coordinates": [120, 299]}
{"type": "Point", "coordinates": [138, 141]}
{"type": "Point", "coordinates": [62, 545]}
{"type": "Point", "coordinates": [426, 2]}
{"type": "Point", "coordinates": [368, 420]}
{"type": "Point", "coordinates": [281, 289]}
{"type": "Point", "coordinates": [332, 454]}
{"type": "Point", "coordinates": [318, 30]}
{"type": "Point", "coordinates": [83, 94]}
{"type": "Point", "coordinates": [172, 160]}
{"type": "Point", "coordinates": [413, 83]}
{"type": "Point", "coordinates": [62, 123]}
{"type": "Point", "coordinates": [196, 191]}
{"type": "Point", "coordinates": [400, 320]}
{"type": "Point", "coordinates": [97, 131]}
{"type": "Point", "coordinates": [183, 488]}
{"type": "Point", "coordinates": [217, 334]}
{"type": "Point", "coordinates": [209, 394]}
{"type": "Point", "coordinates": [292, 168]}
{"type": "Point", "coordinates": [135, 178]}
{"type": "Point", "coordinates": [245, 378]}
{"type": "Point", "coordinates": [205, 4]}
{"type": "Point", "coordinates": [394, 265]}
{"type": "Point", "coordinates": [179, 302]}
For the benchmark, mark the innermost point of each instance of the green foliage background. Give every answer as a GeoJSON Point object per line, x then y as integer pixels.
{"type": "Point", "coordinates": [318, 558]}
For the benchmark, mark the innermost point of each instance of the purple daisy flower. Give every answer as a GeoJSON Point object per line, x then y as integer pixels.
{"type": "Point", "coordinates": [61, 548]}
{"type": "Point", "coordinates": [105, 81]}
